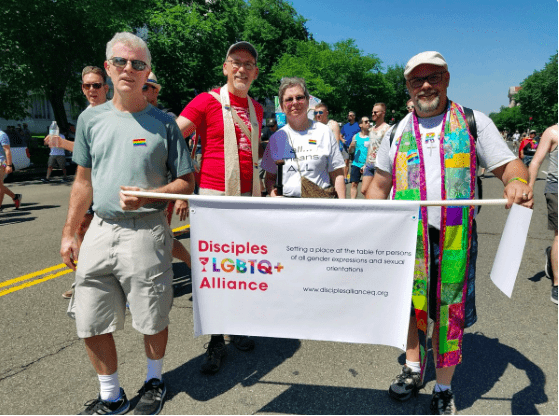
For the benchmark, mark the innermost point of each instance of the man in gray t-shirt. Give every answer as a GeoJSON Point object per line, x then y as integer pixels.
{"type": "Point", "coordinates": [125, 144]}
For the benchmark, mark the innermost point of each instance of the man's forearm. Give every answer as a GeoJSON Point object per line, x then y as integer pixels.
{"type": "Point", "coordinates": [514, 169]}
{"type": "Point", "coordinates": [8, 153]}
{"type": "Point", "coordinates": [182, 185]}
{"type": "Point", "coordinates": [80, 200]}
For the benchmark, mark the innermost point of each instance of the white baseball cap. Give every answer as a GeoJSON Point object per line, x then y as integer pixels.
{"type": "Point", "coordinates": [429, 57]}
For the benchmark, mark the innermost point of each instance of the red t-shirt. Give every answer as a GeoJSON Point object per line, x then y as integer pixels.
{"type": "Point", "coordinates": [205, 112]}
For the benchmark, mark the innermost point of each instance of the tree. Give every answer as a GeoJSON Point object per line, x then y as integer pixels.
{"type": "Point", "coordinates": [510, 119]}
{"type": "Point", "coordinates": [46, 43]}
{"type": "Point", "coordinates": [189, 41]}
{"type": "Point", "coordinates": [398, 94]}
{"type": "Point", "coordinates": [340, 75]}
{"type": "Point", "coordinates": [538, 96]}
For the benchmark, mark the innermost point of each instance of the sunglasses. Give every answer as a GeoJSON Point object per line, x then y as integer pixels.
{"type": "Point", "coordinates": [320, 112]}
{"type": "Point", "coordinates": [146, 86]}
{"type": "Point", "coordinates": [432, 79]}
{"type": "Point", "coordinates": [297, 98]}
{"type": "Point", "coordinates": [95, 85]}
{"type": "Point", "coordinates": [377, 112]}
{"type": "Point", "coordinates": [121, 63]}
{"type": "Point", "coordinates": [411, 107]}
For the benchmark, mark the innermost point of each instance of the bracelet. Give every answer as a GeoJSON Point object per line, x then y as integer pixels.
{"type": "Point", "coordinates": [524, 181]}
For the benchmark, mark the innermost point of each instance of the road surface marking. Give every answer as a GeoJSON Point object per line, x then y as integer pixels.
{"type": "Point", "coordinates": [52, 272]}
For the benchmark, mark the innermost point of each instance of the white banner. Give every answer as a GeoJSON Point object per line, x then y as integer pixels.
{"type": "Point", "coordinates": [329, 270]}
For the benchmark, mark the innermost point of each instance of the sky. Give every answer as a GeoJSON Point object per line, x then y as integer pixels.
{"type": "Point", "coordinates": [489, 45]}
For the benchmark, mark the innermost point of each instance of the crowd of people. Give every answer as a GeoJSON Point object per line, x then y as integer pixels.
{"type": "Point", "coordinates": [125, 246]}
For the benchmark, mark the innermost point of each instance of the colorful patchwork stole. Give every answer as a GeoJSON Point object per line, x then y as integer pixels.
{"type": "Point", "coordinates": [458, 168]}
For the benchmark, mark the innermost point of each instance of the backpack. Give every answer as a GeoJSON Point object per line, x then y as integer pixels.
{"type": "Point", "coordinates": [471, 120]}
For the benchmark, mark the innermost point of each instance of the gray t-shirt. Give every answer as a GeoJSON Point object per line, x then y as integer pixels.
{"type": "Point", "coordinates": [491, 150]}
{"type": "Point", "coordinates": [128, 149]}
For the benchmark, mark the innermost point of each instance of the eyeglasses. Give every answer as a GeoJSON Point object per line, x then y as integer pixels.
{"type": "Point", "coordinates": [411, 107]}
{"type": "Point", "coordinates": [121, 63]}
{"type": "Point", "coordinates": [432, 79]}
{"type": "Point", "coordinates": [319, 112]}
{"type": "Point", "coordinates": [297, 98]}
{"type": "Point", "coordinates": [377, 112]}
{"type": "Point", "coordinates": [95, 85]}
{"type": "Point", "coordinates": [249, 66]}
{"type": "Point", "coordinates": [146, 86]}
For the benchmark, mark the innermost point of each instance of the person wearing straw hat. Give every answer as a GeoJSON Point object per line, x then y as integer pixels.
{"type": "Point", "coordinates": [410, 165]}
{"type": "Point", "coordinates": [229, 124]}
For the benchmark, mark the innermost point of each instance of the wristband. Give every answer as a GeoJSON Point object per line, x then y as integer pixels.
{"type": "Point", "coordinates": [524, 181]}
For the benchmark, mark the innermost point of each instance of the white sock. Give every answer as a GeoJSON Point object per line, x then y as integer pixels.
{"type": "Point", "coordinates": [441, 387]}
{"type": "Point", "coordinates": [109, 387]}
{"type": "Point", "coordinates": [415, 366]}
{"type": "Point", "coordinates": [154, 369]}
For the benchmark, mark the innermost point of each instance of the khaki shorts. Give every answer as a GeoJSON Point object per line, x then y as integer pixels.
{"type": "Point", "coordinates": [124, 261]}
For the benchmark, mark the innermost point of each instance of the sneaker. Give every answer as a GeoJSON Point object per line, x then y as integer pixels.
{"type": "Point", "coordinates": [548, 267]}
{"type": "Point", "coordinates": [242, 342]}
{"type": "Point", "coordinates": [68, 294]}
{"type": "Point", "coordinates": [17, 200]}
{"type": "Point", "coordinates": [152, 394]}
{"type": "Point", "coordinates": [406, 384]}
{"type": "Point", "coordinates": [554, 294]}
{"type": "Point", "coordinates": [101, 407]}
{"type": "Point", "coordinates": [442, 403]}
{"type": "Point", "coordinates": [214, 354]}
{"type": "Point", "coordinates": [45, 180]}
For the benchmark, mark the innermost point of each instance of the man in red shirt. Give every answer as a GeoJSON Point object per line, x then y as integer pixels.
{"type": "Point", "coordinates": [228, 122]}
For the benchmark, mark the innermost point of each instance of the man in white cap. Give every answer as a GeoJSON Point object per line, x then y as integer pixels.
{"type": "Point", "coordinates": [228, 122]}
{"type": "Point", "coordinates": [443, 289]}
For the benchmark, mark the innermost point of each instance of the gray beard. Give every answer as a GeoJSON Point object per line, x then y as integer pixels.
{"type": "Point", "coordinates": [427, 108]}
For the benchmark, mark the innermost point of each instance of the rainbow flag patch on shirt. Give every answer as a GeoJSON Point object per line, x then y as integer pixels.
{"type": "Point", "coordinates": [312, 141]}
{"type": "Point", "coordinates": [139, 142]}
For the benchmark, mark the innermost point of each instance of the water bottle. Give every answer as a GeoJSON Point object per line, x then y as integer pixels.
{"type": "Point", "coordinates": [54, 131]}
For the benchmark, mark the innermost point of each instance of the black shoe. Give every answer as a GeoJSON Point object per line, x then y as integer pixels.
{"type": "Point", "coordinates": [101, 407]}
{"type": "Point", "coordinates": [215, 353]}
{"type": "Point", "coordinates": [406, 384]}
{"type": "Point", "coordinates": [554, 294]}
{"type": "Point", "coordinates": [548, 268]}
{"type": "Point", "coordinates": [242, 342]}
{"type": "Point", "coordinates": [17, 200]}
{"type": "Point", "coordinates": [45, 180]}
{"type": "Point", "coordinates": [442, 403]}
{"type": "Point", "coordinates": [152, 394]}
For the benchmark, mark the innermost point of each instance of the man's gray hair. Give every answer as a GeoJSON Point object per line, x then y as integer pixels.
{"type": "Point", "coordinates": [130, 40]}
{"type": "Point", "coordinates": [292, 82]}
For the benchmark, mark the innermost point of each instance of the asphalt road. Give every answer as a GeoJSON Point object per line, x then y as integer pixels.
{"type": "Point", "coordinates": [510, 355]}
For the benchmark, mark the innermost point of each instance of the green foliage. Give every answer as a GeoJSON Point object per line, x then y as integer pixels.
{"type": "Point", "coordinates": [398, 94]}
{"type": "Point", "coordinates": [510, 119]}
{"type": "Point", "coordinates": [538, 96]}
{"type": "Point", "coordinates": [340, 75]}
{"type": "Point", "coordinates": [46, 43]}
{"type": "Point", "coordinates": [189, 43]}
